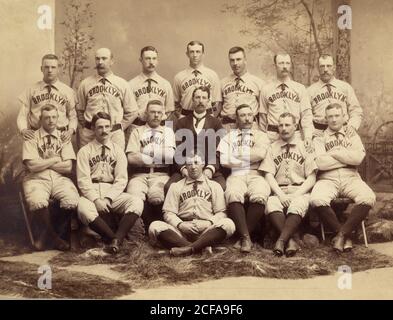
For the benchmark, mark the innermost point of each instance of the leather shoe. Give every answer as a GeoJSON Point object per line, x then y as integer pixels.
{"type": "Point", "coordinates": [61, 245]}
{"type": "Point", "coordinates": [292, 248]}
{"type": "Point", "coordinates": [114, 246]}
{"type": "Point", "coordinates": [338, 242]}
{"type": "Point", "coordinates": [246, 245]}
{"type": "Point", "coordinates": [279, 248]}
{"type": "Point", "coordinates": [181, 251]}
{"type": "Point", "coordinates": [238, 244]}
{"type": "Point", "coordinates": [348, 245]}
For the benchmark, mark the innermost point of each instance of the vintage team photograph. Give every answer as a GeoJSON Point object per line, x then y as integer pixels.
{"type": "Point", "coordinates": [196, 150]}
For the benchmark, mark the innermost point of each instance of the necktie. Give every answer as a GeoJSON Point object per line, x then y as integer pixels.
{"type": "Point", "coordinates": [103, 80]}
{"type": "Point", "coordinates": [103, 151]}
{"type": "Point", "coordinates": [329, 87]}
{"type": "Point", "coordinates": [195, 185]}
{"type": "Point", "coordinates": [149, 81]}
{"type": "Point", "coordinates": [49, 140]}
{"type": "Point", "coordinates": [49, 87]}
{"type": "Point", "coordinates": [287, 147]}
{"type": "Point", "coordinates": [198, 120]}
{"type": "Point", "coordinates": [337, 134]}
{"type": "Point", "coordinates": [196, 72]}
{"type": "Point", "coordinates": [283, 86]}
{"type": "Point", "coordinates": [237, 81]}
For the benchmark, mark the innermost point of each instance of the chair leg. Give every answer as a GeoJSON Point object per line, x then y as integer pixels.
{"type": "Point", "coordinates": [364, 234]}
{"type": "Point", "coordinates": [322, 232]}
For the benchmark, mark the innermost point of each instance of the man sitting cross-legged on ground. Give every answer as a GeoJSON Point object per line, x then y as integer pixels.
{"type": "Point", "coordinates": [291, 173]}
{"type": "Point", "coordinates": [102, 178]}
{"type": "Point", "coordinates": [338, 153]}
{"type": "Point", "coordinates": [194, 213]}
{"type": "Point", "coordinates": [48, 159]}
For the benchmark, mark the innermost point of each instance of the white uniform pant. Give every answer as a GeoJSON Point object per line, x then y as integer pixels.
{"type": "Point", "coordinates": [299, 205]}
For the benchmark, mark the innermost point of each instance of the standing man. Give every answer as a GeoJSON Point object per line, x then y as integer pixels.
{"type": "Point", "coordinates": [285, 95]}
{"type": "Point", "coordinates": [48, 91]}
{"type": "Point", "coordinates": [102, 178]}
{"type": "Point", "coordinates": [150, 152]}
{"type": "Point", "coordinates": [105, 92]}
{"type": "Point", "coordinates": [198, 132]}
{"type": "Point", "coordinates": [242, 150]}
{"type": "Point", "coordinates": [48, 159]}
{"type": "Point", "coordinates": [329, 90]}
{"type": "Point", "coordinates": [194, 213]}
{"type": "Point", "coordinates": [195, 76]}
{"type": "Point", "coordinates": [291, 173]}
{"type": "Point", "coordinates": [338, 153]}
{"type": "Point", "coordinates": [149, 85]}
{"type": "Point", "coordinates": [240, 87]}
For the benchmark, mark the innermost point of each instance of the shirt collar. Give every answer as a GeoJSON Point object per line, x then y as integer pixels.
{"type": "Point", "coordinates": [190, 180]}
{"type": "Point", "coordinates": [240, 132]}
{"type": "Point", "coordinates": [199, 115]}
{"type": "Point", "coordinates": [54, 85]}
{"type": "Point", "coordinates": [159, 128]}
{"type": "Point", "coordinates": [234, 76]}
{"type": "Point", "coordinates": [294, 142]}
{"type": "Point", "coordinates": [44, 133]}
{"type": "Point", "coordinates": [332, 82]}
{"type": "Point", "coordinates": [200, 68]}
{"type": "Point", "coordinates": [153, 76]}
{"type": "Point", "coordinates": [109, 77]}
{"type": "Point", "coordinates": [97, 145]}
{"type": "Point", "coordinates": [330, 132]}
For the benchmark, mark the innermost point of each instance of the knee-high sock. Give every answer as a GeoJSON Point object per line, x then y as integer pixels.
{"type": "Point", "coordinates": [170, 239]}
{"type": "Point", "coordinates": [209, 238]}
{"type": "Point", "coordinates": [102, 228]}
{"type": "Point", "coordinates": [237, 213]}
{"type": "Point", "coordinates": [358, 214]}
{"type": "Point", "coordinates": [329, 218]}
{"type": "Point", "coordinates": [255, 216]}
{"type": "Point", "coordinates": [44, 217]}
{"type": "Point", "coordinates": [277, 219]}
{"type": "Point", "coordinates": [125, 224]}
{"type": "Point", "coordinates": [292, 222]}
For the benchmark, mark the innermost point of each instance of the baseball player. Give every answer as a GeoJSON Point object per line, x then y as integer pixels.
{"type": "Point", "coordinates": [195, 76]}
{"type": "Point", "coordinates": [285, 95]}
{"type": "Point", "coordinates": [150, 152]}
{"type": "Point", "coordinates": [329, 90]}
{"type": "Point", "coordinates": [48, 91]}
{"type": "Point", "coordinates": [242, 150]}
{"type": "Point", "coordinates": [48, 159]}
{"type": "Point", "coordinates": [149, 85]}
{"type": "Point", "coordinates": [102, 178]}
{"type": "Point", "coordinates": [105, 92]}
{"type": "Point", "coordinates": [199, 132]}
{"type": "Point", "coordinates": [194, 213]}
{"type": "Point", "coordinates": [291, 173]}
{"type": "Point", "coordinates": [241, 87]}
{"type": "Point", "coordinates": [338, 153]}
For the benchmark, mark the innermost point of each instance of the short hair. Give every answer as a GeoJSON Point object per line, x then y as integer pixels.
{"type": "Point", "coordinates": [325, 56]}
{"type": "Point", "coordinates": [242, 106]}
{"type": "Point", "coordinates": [48, 107]}
{"type": "Point", "coordinates": [49, 56]}
{"type": "Point", "coordinates": [334, 106]}
{"type": "Point", "coordinates": [288, 115]}
{"type": "Point", "coordinates": [236, 50]}
{"type": "Point", "coordinates": [194, 42]}
{"type": "Point", "coordinates": [100, 115]}
{"type": "Point", "coordinates": [154, 102]}
{"type": "Point", "coordinates": [281, 54]}
{"type": "Point", "coordinates": [148, 48]}
{"type": "Point", "coordinates": [202, 88]}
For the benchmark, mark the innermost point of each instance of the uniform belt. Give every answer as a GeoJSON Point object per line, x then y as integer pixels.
{"type": "Point", "coordinates": [185, 112]}
{"type": "Point", "coordinates": [150, 169]}
{"type": "Point", "coordinates": [115, 127]}
{"type": "Point", "coordinates": [98, 181]}
{"type": "Point", "coordinates": [139, 122]}
{"type": "Point", "coordinates": [273, 128]}
{"type": "Point", "coordinates": [289, 185]}
{"type": "Point", "coordinates": [226, 120]}
{"type": "Point", "coordinates": [320, 126]}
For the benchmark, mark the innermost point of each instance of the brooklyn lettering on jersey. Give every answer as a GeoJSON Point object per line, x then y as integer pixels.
{"type": "Point", "coordinates": [146, 90]}
{"type": "Point", "coordinates": [337, 143]}
{"type": "Point", "coordinates": [155, 140]}
{"type": "Point", "coordinates": [196, 81]}
{"type": "Point", "coordinates": [289, 155]}
{"type": "Point", "coordinates": [243, 143]}
{"type": "Point", "coordinates": [104, 89]}
{"type": "Point", "coordinates": [332, 95]}
{"type": "Point", "coordinates": [49, 96]}
{"type": "Point", "coordinates": [237, 88]}
{"type": "Point", "coordinates": [196, 193]}
{"type": "Point", "coordinates": [284, 94]}
{"type": "Point", "coordinates": [102, 158]}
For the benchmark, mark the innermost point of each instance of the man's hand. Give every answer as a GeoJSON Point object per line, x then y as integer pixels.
{"type": "Point", "coordinates": [66, 135]}
{"type": "Point", "coordinates": [188, 228]}
{"type": "Point", "coordinates": [102, 205]}
{"type": "Point", "coordinates": [285, 200]}
{"type": "Point", "coordinates": [350, 131]}
{"type": "Point", "coordinates": [309, 145]}
{"type": "Point", "coordinates": [27, 134]}
{"type": "Point", "coordinates": [208, 173]}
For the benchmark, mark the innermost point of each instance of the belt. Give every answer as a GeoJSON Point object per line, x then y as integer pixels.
{"type": "Point", "coordinates": [320, 126]}
{"type": "Point", "coordinates": [139, 122]}
{"type": "Point", "coordinates": [115, 127]}
{"type": "Point", "coordinates": [289, 185]}
{"type": "Point", "coordinates": [185, 112]}
{"type": "Point", "coordinates": [149, 169]}
{"type": "Point", "coordinates": [226, 120]}
{"type": "Point", "coordinates": [273, 128]}
{"type": "Point", "coordinates": [98, 181]}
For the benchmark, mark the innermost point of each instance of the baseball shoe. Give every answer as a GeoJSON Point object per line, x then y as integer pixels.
{"type": "Point", "coordinates": [238, 244]}
{"type": "Point", "coordinates": [181, 251]}
{"type": "Point", "coordinates": [338, 242]}
{"type": "Point", "coordinates": [348, 245]}
{"type": "Point", "coordinates": [279, 248]}
{"type": "Point", "coordinates": [292, 248]}
{"type": "Point", "coordinates": [246, 245]}
{"type": "Point", "coordinates": [114, 246]}
{"type": "Point", "coordinates": [61, 245]}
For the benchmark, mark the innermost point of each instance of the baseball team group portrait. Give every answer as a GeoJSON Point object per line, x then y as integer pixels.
{"type": "Point", "coordinates": [219, 147]}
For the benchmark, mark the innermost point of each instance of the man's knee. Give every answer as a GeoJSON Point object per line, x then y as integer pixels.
{"type": "Point", "coordinates": [227, 225]}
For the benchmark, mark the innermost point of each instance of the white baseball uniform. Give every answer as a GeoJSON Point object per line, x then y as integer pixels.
{"type": "Point", "coordinates": [187, 80]}
{"type": "Point", "coordinates": [111, 95]}
{"type": "Point", "coordinates": [290, 96]}
{"type": "Point", "coordinates": [39, 187]}
{"type": "Point", "coordinates": [290, 164]}
{"type": "Point", "coordinates": [336, 91]}
{"type": "Point", "coordinates": [102, 173]}
{"type": "Point", "coordinates": [198, 201]}
{"type": "Point", "coordinates": [245, 180]}
{"type": "Point", "coordinates": [147, 182]}
{"type": "Point", "coordinates": [41, 93]}
{"type": "Point", "coordinates": [337, 156]}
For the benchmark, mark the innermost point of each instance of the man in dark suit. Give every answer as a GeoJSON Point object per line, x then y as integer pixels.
{"type": "Point", "coordinates": [198, 132]}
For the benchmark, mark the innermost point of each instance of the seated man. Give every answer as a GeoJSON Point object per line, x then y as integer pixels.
{"type": "Point", "coordinates": [150, 151]}
{"type": "Point", "coordinates": [102, 178]}
{"type": "Point", "coordinates": [291, 173]}
{"type": "Point", "coordinates": [242, 150]}
{"type": "Point", "coordinates": [194, 213]}
{"type": "Point", "coordinates": [48, 159]}
{"type": "Point", "coordinates": [338, 153]}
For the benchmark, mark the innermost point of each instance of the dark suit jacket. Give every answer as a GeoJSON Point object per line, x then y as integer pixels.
{"type": "Point", "coordinates": [201, 143]}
